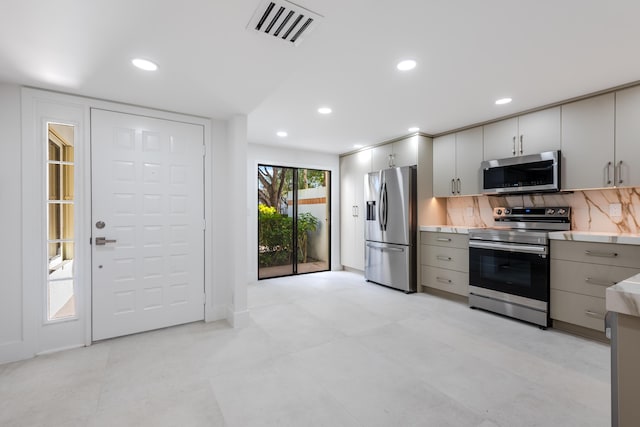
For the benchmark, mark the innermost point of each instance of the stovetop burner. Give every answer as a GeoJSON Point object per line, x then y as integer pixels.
{"type": "Point", "coordinates": [524, 225]}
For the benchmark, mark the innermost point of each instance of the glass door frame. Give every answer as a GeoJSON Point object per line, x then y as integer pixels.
{"type": "Point", "coordinates": [295, 205]}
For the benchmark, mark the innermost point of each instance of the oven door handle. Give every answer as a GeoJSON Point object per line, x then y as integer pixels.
{"type": "Point", "coordinates": [529, 249]}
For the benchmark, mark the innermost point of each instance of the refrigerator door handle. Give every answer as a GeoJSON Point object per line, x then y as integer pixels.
{"type": "Point", "coordinates": [386, 206]}
{"type": "Point", "coordinates": [384, 249]}
{"type": "Point", "coordinates": [381, 207]}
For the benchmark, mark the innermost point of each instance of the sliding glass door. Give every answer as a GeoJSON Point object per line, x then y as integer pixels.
{"type": "Point", "coordinates": [293, 221]}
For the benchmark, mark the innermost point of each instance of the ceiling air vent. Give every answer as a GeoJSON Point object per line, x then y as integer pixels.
{"type": "Point", "coordinates": [284, 21]}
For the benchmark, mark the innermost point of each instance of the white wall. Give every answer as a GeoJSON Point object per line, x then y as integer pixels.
{"type": "Point", "coordinates": [292, 158]}
{"type": "Point", "coordinates": [11, 337]}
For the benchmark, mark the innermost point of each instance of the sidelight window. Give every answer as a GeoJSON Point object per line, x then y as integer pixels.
{"type": "Point", "coordinates": [60, 292]}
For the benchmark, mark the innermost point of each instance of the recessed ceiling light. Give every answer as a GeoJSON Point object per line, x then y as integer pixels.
{"type": "Point", "coordinates": [144, 64]}
{"type": "Point", "coordinates": [406, 65]}
{"type": "Point", "coordinates": [503, 101]}
{"type": "Point", "coordinates": [282, 134]}
{"type": "Point", "coordinates": [413, 129]}
{"type": "Point", "coordinates": [358, 145]}
{"type": "Point", "coordinates": [324, 110]}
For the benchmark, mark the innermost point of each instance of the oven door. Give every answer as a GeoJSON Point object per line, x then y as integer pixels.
{"type": "Point", "coordinates": [511, 268]}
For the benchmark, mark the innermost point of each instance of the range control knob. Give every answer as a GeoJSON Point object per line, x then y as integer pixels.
{"type": "Point", "coordinates": [498, 211]}
{"type": "Point", "coordinates": [551, 211]}
{"type": "Point", "coordinates": [562, 211]}
{"type": "Point", "coordinates": [507, 211]}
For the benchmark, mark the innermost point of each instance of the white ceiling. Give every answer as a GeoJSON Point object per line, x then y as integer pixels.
{"type": "Point", "coordinates": [469, 53]}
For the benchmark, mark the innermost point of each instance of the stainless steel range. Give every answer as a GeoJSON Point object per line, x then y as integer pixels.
{"type": "Point", "coordinates": [509, 263]}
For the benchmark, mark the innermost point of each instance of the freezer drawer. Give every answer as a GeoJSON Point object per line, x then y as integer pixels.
{"type": "Point", "coordinates": [390, 265]}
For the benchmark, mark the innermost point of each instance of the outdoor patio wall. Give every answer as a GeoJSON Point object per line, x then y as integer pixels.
{"type": "Point", "coordinates": [318, 240]}
{"type": "Point", "coordinates": [279, 156]}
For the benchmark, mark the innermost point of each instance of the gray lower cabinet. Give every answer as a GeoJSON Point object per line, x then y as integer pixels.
{"type": "Point", "coordinates": [444, 262]}
{"type": "Point", "coordinates": [580, 274]}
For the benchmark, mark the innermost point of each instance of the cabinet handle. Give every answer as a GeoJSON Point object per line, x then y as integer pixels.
{"type": "Point", "coordinates": [453, 186]}
{"type": "Point", "coordinates": [594, 314]}
{"type": "Point", "coordinates": [598, 282]}
{"type": "Point", "coordinates": [601, 254]}
{"type": "Point", "coordinates": [443, 280]}
{"type": "Point", "coordinates": [392, 160]}
{"type": "Point", "coordinates": [521, 138]}
{"type": "Point", "coordinates": [443, 239]}
{"type": "Point", "coordinates": [619, 172]}
{"type": "Point", "coordinates": [458, 185]}
{"type": "Point", "coordinates": [514, 146]}
{"type": "Point", "coordinates": [609, 172]}
{"type": "Point", "coordinates": [443, 258]}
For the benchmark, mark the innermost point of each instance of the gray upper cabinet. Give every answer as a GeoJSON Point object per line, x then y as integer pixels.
{"type": "Point", "coordinates": [468, 158]}
{"type": "Point", "coordinates": [588, 128]}
{"type": "Point", "coordinates": [403, 152]}
{"type": "Point", "coordinates": [456, 163]}
{"type": "Point", "coordinates": [601, 141]}
{"type": "Point", "coordinates": [527, 134]}
{"type": "Point", "coordinates": [381, 157]}
{"type": "Point", "coordinates": [627, 147]}
{"type": "Point", "coordinates": [444, 165]}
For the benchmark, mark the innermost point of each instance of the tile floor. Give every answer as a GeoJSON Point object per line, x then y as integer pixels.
{"type": "Point", "coordinates": [325, 349]}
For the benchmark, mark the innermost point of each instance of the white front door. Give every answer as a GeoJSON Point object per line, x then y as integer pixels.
{"type": "Point", "coordinates": [147, 223]}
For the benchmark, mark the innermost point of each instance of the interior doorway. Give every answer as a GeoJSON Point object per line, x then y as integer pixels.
{"type": "Point", "coordinates": [294, 221]}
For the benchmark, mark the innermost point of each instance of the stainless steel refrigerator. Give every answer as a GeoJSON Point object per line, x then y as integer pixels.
{"type": "Point", "coordinates": [390, 228]}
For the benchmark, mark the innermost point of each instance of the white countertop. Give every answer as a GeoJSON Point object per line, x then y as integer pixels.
{"type": "Point", "coordinates": [598, 237]}
{"type": "Point", "coordinates": [624, 297]}
{"type": "Point", "coordinates": [446, 228]}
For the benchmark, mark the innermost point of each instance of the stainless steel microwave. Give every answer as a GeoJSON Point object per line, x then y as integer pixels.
{"type": "Point", "coordinates": [533, 173]}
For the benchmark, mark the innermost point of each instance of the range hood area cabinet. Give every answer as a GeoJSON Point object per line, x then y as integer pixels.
{"type": "Point", "coordinates": [531, 133]}
{"type": "Point", "coordinates": [601, 141]}
{"type": "Point", "coordinates": [456, 165]}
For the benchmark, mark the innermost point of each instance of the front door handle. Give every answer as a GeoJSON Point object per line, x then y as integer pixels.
{"type": "Point", "coordinates": [101, 241]}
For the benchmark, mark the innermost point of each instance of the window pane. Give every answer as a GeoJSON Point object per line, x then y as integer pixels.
{"type": "Point", "coordinates": [55, 255]}
{"type": "Point", "coordinates": [62, 271]}
{"type": "Point", "coordinates": [67, 153]}
{"type": "Point", "coordinates": [67, 182]}
{"type": "Point", "coordinates": [55, 218]}
{"type": "Point", "coordinates": [54, 182]}
{"type": "Point", "coordinates": [67, 221]}
{"type": "Point", "coordinates": [55, 151]}
{"type": "Point", "coordinates": [61, 300]}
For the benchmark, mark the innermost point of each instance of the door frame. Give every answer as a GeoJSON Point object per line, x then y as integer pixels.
{"type": "Point", "coordinates": [34, 102]}
{"type": "Point", "coordinates": [294, 210]}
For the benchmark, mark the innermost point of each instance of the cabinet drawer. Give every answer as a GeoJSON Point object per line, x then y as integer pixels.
{"type": "Point", "coordinates": [455, 282]}
{"type": "Point", "coordinates": [449, 258]}
{"type": "Point", "coordinates": [597, 253]}
{"type": "Point", "coordinates": [582, 310]}
{"type": "Point", "coordinates": [587, 279]}
{"type": "Point", "coordinates": [452, 240]}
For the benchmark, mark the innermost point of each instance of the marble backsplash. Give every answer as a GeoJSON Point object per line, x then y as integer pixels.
{"type": "Point", "coordinates": [590, 208]}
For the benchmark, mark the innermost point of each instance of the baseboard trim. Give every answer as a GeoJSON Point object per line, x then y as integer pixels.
{"type": "Point", "coordinates": [444, 294]}
{"type": "Point", "coordinates": [581, 331]}
{"type": "Point", "coordinates": [238, 319]}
